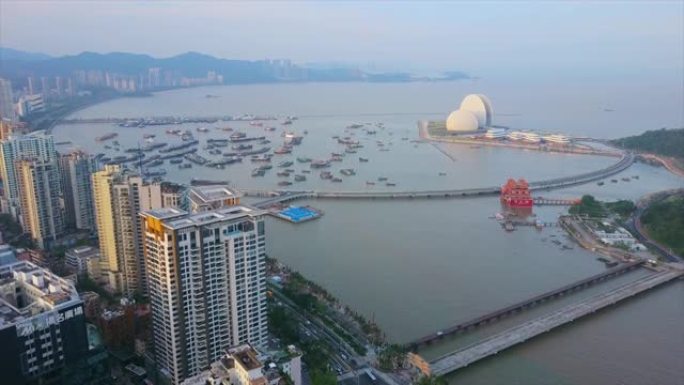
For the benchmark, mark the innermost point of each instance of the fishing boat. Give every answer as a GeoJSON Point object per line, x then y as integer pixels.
{"type": "Point", "coordinates": [299, 178]}
{"type": "Point", "coordinates": [283, 174]}
{"type": "Point", "coordinates": [304, 160]}
{"type": "Point", "coordinates": [286, 163]}
{"type": "Point", "coordinates": [336, 180]}
{"type": "Point", "coordinates": [326, 175]}
{"type": "Point", "coordinates": [242, 146]}
{"type": "Point", "coordinates": [283, 150]}
{"type": "Point", "coordinates": [363, 160]}
{"type": "Point", "coordinates": [348, 171]}
{"type": "Point", "coordinates": [102, 138]}
{"type": "Point", "coordinates": [320, 164]}
{"type": "Point", "coordinates": [284, 183]}
{"type": "Point", "coordinates": [261, 158]}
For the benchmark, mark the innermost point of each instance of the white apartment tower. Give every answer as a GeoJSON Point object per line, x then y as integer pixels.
{"type": "Point", "coordinates": [38, 147]}
{"type": "Point", "coordinates": [206, 282]}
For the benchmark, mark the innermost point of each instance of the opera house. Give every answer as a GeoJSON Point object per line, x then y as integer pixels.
{"type": "Point", "coordinates": [474, 114]}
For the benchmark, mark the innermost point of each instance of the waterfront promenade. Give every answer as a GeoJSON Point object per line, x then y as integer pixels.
{"type": "Point", "coordinates": [492, 345]}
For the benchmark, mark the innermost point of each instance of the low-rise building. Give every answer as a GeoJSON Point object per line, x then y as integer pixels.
{"type": "Point", "coordinates": [84, 260]}
{"type": "Point", "coordinates": [240, 366]}
{"type": "Point", "coordinates": [212, 197]}
{"type": "Point", "coordinates": [7, 255]}
{"type": "Point", "coordinates": [619, 236]}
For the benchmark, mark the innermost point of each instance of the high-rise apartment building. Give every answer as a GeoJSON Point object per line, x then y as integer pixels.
{"type": "Point", "coordinates": [77, 168]}
{"type": "Point", "coordinates": [39, 199]}
{"type": "Point", "coordinates": [34, 146]}
{"type": "Point", "coordinates": [118, 196]}
{"type": "Point", "coordinates": [45, 87]}
{"type": "Point", "coordinates": [206, 282]}
{"type": "Point", "coordinates": [6, 100]}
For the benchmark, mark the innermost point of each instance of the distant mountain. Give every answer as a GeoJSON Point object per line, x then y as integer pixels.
{"type": "Point", "coordinates": [17, 66]}
{"type": "Point", "coordinates": [15, 54]}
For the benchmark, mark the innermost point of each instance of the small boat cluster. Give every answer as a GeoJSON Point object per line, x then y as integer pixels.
{"type": "Point", "coordinates": [200, 146]}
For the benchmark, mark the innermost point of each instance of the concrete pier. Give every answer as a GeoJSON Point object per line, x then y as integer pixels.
{"type": "Point", "coordinates": [511, 337]}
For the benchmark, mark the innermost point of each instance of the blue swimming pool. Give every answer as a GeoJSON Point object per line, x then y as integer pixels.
{"type": "Point", "coordinates": [298, 214]}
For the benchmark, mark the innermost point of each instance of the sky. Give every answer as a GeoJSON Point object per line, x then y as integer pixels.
{"type": "Point", "coordinates": [617, 37]}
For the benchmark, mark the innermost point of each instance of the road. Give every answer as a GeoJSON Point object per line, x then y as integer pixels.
{"type": "Point", "coordinates": [343, 356]}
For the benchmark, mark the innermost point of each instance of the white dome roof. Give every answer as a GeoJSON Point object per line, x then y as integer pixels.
{"type": "Point", "coordinates": [462, 121]}
{"type": "Point", "coordinates": [481, 107]}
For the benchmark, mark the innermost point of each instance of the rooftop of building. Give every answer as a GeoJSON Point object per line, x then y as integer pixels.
{"type": "Point", "coordinates": [170, 187]}
{"type": "Point", "coordinates": [246, 356]}
{"type": "Point", "coordinates": [220, 370]}
{"type": "Point", "coordinates": [83, 252]}
{"type": "Point", "coordinates": [7, 254]}
{"type": "Point", "coordinates": [42, 291]}
{"type": "Point", "coordinates": [175, 218]}
{"type": "Point", "coordinates": [212, 193]}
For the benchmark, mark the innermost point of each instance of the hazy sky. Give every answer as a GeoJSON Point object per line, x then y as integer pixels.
{"type": "Point", "coordinates": [620, 37]}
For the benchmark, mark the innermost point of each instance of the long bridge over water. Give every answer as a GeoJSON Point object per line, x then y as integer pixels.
{"type": "Point", "coordinates": [451, 362]}
{"type": "Point", "coordinates": [281, 196]}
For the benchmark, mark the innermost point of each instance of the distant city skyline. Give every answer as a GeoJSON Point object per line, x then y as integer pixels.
{"type": "Point", "coordinates": [618, 38]}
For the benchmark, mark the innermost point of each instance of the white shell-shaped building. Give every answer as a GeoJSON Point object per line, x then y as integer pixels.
{"type": "Point", "coordinates": [481, 107]}
{"type": "Point", "coordinates": [475, 113]}
{"type": "Point", "coordinates": [461, 120]}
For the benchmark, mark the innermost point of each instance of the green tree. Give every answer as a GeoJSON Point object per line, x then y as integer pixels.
{"type": "Point", "coordinates": [323, 377]}
{"type": "Point", "coordinates": [432, 380]}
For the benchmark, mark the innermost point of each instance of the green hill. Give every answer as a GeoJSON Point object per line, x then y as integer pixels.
{"type": "Point", "coordinates": [664, 222]}
{"type": "Point", "coordinates": [662, 142]}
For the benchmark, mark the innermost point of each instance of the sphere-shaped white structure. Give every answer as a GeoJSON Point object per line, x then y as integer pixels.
{"type": "Point", "coordinates": [481, 107]}
{"type": "Point", "coordinates": [462, 121]}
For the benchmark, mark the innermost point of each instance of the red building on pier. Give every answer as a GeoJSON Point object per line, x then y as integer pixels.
{"type": "Point", "coordinates": [516, 193]}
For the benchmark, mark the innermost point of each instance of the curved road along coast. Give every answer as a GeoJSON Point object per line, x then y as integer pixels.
{"type": "Point", "coordinates": [281, 196]}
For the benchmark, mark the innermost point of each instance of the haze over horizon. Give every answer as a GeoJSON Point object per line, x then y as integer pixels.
{"type": "Point", "coordinates": [510, 39]}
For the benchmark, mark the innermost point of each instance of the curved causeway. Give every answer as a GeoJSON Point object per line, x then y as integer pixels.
{"type": "Point", "coordinates": [280, 196]}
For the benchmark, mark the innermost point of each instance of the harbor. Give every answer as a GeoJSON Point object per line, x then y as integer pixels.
{"type": "Point", "coordinates": [338, 247]}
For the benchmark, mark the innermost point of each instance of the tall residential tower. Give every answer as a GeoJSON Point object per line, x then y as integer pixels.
{"type": "Point", "coordinates": [77, 168]}
{"type": "Point", "coordinates": [118, 196]}
{"type": "Point", "coordinates": [39, 189]}
{"type": "Point", "coordinates": [206, 277]}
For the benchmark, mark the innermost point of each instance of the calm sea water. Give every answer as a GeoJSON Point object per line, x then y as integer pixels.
{"type": "Point", "coordinates": [419, 266]}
